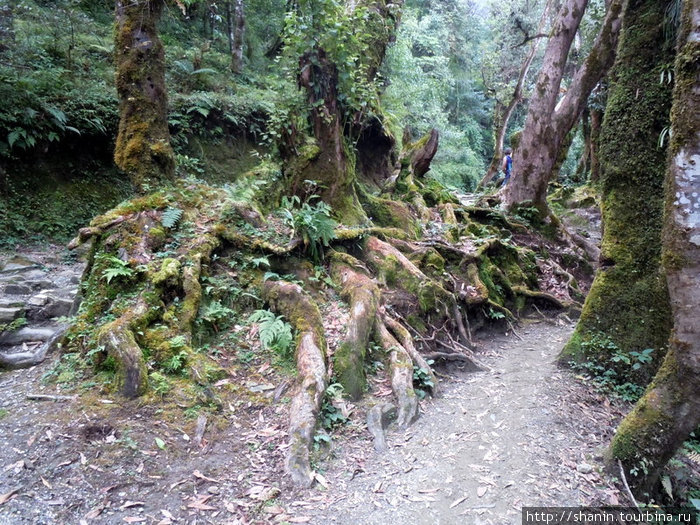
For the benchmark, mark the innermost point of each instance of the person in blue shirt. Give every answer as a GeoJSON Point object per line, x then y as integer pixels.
{"type": "Point", "coordinates": [507, 165]}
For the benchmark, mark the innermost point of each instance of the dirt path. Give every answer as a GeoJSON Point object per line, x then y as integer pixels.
{"type": "Point", "coordinates": [524, 434]}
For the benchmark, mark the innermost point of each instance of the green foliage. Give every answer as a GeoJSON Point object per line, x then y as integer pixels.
{"type": "Point", "coordinates": [274, 333]}
{"type": "Point", "coordinates": [159, 384]}
{"type": "Point", "coordinates": [313, 223]}
{"type": "Point", "coordinates": [171, 217]}
{"type": "Point", "coordinates": [422, 382]}
{"type": "Point", "coordinates": [331, 416]}
{"type": "Point", "coordinates": [214, 314]}
{"type": "Point", "coordinates": [13, 325]}
{"type": "Point", "coordinates": [115, 268]}
{"type": "Point", "coordinates": [613, 374]}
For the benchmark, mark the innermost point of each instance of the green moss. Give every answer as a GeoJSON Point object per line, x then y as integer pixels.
{"type": "Point", "coordinates": [169, 272]}
{"type": "Point", "coordinates": [628, 300]}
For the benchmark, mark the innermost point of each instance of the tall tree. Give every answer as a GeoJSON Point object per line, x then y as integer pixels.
{"type": "Point", "coordinates": [336, 74]}
{"type": "Point", "coordinates": [628, 302]}
{"type": "Point", "coordinates": [235, 21]}
{"type": "Point", "coordinates": [143, 148]}
{"type": "Point", "coordinates": [670, 409]}
{"type": "Point", "coordinates": [550, 119]}
{"type": "Point", "coordinates": [503, 113]}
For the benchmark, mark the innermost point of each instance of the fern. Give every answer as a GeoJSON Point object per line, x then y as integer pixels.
{"type": "Point", "coordinates": [170, 217]}
{"type": "Point", "coordinates": [117, 268]}
{"type": "Point", "coordinates": [274, 332]}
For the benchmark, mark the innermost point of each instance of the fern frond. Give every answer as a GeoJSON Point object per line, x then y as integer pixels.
{"type": "Point", "coordinates": [170, 217]}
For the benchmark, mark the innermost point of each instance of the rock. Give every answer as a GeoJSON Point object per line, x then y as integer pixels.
{"type": "Point", "coordinates": [584, 468]}
{"type": "Point", "coordinates": [7, 315]}
{"type": "Point", "coordinates": [26, 334]}
{"type": "Point", "coordinates": [17, 289]}
{"type": "Point", "coordinates": [41, 284]}
{"type": "Point", "coordinates": [378, 418]}
{"type": "Point", "coordinates": [57, 307]}
{"type": "Point", "coordinates": [27, 358]}
{"type": "Point", "coordinates": [38, 300]}
{"type": "Point", "coordinates": [11, 304]}
{"type": "Point", "coordinates": [18, 264]}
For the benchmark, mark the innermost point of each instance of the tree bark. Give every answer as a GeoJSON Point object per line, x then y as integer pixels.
{"type": "Point", "coordinates": [670, 409]}
{"type": "Point", "coordinates": [628, 301]}
{"type": "Point", "coordinates": [143, 148]}
{"type": "Point", "coordinates": [516, 98]}
{"type": "Point", "coordinates": [237, 26]}
{"type": "Point", "coordinates": [549, 119]}
{"type": "Point", "coordinates": [330, 162]}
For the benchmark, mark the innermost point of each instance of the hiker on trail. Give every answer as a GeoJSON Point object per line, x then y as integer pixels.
{"type": "Point", "coordinates": [507, 166]}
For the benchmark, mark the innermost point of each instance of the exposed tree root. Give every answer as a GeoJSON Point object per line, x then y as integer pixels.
{"type": "Point", "coordinates": [401, 374]}
{"type": "Point", "coordinates": [362, 294]}
{"type": "Point", "coordinates": [290, 300]}
{"type": "Point", "coordinates": [28, 358]}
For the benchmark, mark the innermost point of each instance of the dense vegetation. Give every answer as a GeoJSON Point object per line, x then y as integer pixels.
{"type": "Point", "coordinates": [307, 155]}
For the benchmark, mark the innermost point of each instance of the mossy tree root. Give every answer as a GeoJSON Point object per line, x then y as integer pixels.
{"type": "Point", "coordinates": [302, 312]}
{"type": "Point", "coordinates": [404, 337]}
{"type": "Point", "coordinates": [362, 294]}
{"type": "Point", "coordinates": [401, 374]}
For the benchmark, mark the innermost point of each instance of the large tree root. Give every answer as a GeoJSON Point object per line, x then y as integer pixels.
{"type": "Point", "coordinates": [362, 293]}
{"type": "Point", "coordinates": [401, 373]}
{"type": "Point", "coordinates": [291, 301]}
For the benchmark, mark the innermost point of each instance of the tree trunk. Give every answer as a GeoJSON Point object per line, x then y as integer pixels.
{"type": "Point", "coordinates": [596, 122]}
{"type": "Point", "coordinates": [550, 120]}
{"type": "Point", "coordinates": [238, 26]}
{"type": "Point", "coordinates": [7, 24]}
{"type": "Point", "coordinates": [670, 409]}
{"type": "Point", "coordinates": [143, 148]}
{"type": "Point", "coordinates": [627, 308]}
{"type": "Point", "coordinates": [331, 161]}
{"type": "Point", "coordinates": [584, 163]}
{"type": "Point", "coordinates": [517, 97]}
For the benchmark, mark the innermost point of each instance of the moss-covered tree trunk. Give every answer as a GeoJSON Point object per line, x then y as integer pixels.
{"type": "Point", "coordinates": [331, 161]}
{"type": "Point", "coordinates": [549, 119]}
{"type": "Point", "coordinates": [670, 409]}
{"type": "Point", "coordinates": [143, 148]}
{"type": "Point", "coordinates": [628, 302]}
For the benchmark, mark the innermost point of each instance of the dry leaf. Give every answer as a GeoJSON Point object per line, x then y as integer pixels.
{"type": "Point", "coordinates": [457, 502]}
{"type": "Point", "coordinates": [200, 503]}
{"type": "Point", "coordinates": [167, 514]}
{"type": "Point", "coordinates": [6, 497]}
{"type": "Point", "coordinates": [198, 474]}
{"type": "Point", "coordinates": [299, 519]}
{"type": "Point", "coordinates": [129, 504]}
{"type": "Point", "coordinates": [134, 519]}
{"type": "Point", "coordinates": [481, 491]}
{"type": "Point", "coordinates": [95, 512]}
{"type": "Point", "coordinates": [322, 480]}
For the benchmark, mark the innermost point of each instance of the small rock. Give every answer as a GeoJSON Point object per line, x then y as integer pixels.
{"type": "Point", "coordinates": [25, 335]}
{"type": "Point", "coordinates": [18, 264]}
{"type": "Point", "coordinates": [584, 468]}
{"type": "Point", "coordinates": [7, 315]}
{"type": "Point", "coordinates": [40, 284]}
{"type": "Point", "coordinates": [17, 289]}
{"type": "Point", "coordinates": [38, 300]}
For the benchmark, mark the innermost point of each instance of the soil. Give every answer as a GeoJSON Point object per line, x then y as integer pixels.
{"type": "Point", "coordinates": [524, 433]}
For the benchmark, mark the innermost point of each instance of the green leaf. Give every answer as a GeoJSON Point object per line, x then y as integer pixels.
{"type": "Point", "coordinates": [160, 443]}
{"type": "Point", "coordinates": [170, 217]}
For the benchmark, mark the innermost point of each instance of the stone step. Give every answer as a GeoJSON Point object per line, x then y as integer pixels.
{"type": "Point", "coordinates": [7, 315]}
{"type": "Point", "coordinates": [27, 334]}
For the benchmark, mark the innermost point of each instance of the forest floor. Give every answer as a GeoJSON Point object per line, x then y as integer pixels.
{"type": "Point", "coordinates": [524, 433]}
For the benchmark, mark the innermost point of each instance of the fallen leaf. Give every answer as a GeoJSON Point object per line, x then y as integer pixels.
{"type": "Point", "coordinates": [46, 483]}
{"type": "Point", "coordinates": [129, 504]}
{"type": "Point", "coordinates": [322, 480]}
{"type": "Point", "coordinates": [299, 519]}
{"type": "Point", "coordinates": [198, 474]}
{"type": "Point", "coordinates": [167, 514]}
{"type": "Point", "coordinates": [83, 459]}
{"type": "Point", "coordinates": [134, 519]}
{"type": "Point", "coordinates": [457, 502]}
{"type": "Point", "coordinates": [481, 491]}
{"type": "Point", "coordinates": [160, 443]}
{"type": "Point", "coordinates": [95, 512]}
{"type": "Point", "coordinates": [6, 497]}
{"type": "Point", "coordinates": [200, 503]}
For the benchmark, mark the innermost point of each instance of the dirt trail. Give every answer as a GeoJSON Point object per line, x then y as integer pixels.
{"type": "Point", "coordinates": [524, 434]}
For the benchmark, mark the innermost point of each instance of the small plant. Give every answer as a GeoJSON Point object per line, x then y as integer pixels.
{"type": "Point", "coordinates": [13, 325]}
{"type": "Point", "coordinates": [159, 384]}
{"type": "Point", "coordinates": [214, 314]}
{"type": "Point", "coordinates": [313, 223]}
{"type": "Point", "coordinates": [274, 332]}
{"type": "Point", "coordinates": [330, 415]}
{"type": "Point", "coordinates": [175, 364]}
{"type": "Point", "coordinates": [422, 381]}
{"type": "Point", "coordinates": [171, 216]}
{"type": "Point", "coordinates": [116, 268]}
